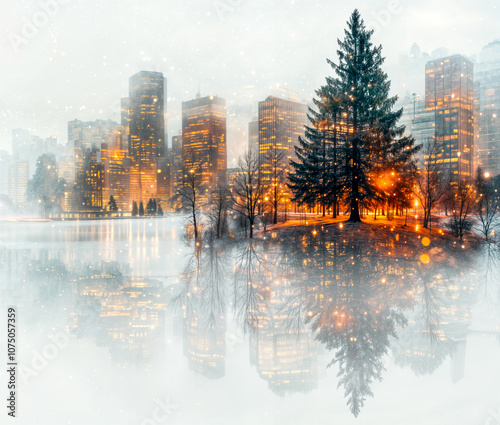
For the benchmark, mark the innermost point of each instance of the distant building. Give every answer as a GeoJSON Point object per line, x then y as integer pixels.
{"type": "Point", "coordinates": [487, 139]}
{"type": "Point", "coordinates": [253, 136]}
{"type": "Point", "coordinates": [204, 149]}
{"type": "Point", "coordinates": [147, 134]}
{"type": "Point", "coordinates": [449, 93]}
{"type": "Point", "coordinates": [17, 181]}
{"type": "Point", "coordinates": [419, 122]}
{"type": "Point", "coordinates": [176, 164]}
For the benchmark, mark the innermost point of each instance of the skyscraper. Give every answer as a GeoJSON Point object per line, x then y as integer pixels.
{"type": "Point", "coordinates": [487, 138]}
{"type": "Point", "coordinates": [147, 133]}
{"type": "Point", "coordinates": [253, 136]}
{"type": "Point", "coordinates": [204, 139]}
{"type": "Point", "coordinates": [281, 122]}
{"type": "Point", "coordinates": [176, 164]}
{"type": "Point", "coordinates": [449, 93]}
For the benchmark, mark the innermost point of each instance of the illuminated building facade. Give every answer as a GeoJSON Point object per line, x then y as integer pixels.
{"type": "Point", "coordinates": [449, 93]}
{"type": "Point", "coordinates": [487, 139]}
{"type": "Point", "coordinates": [204, 140]}
{"type": "Point", "coordinates": [116, 166]}
{"type": "Point", "coordinates": [147, 134]}
{"type": "Point", "coordinates": [281, 122]}
{"type": "Point", "coordinates": [86, 138]}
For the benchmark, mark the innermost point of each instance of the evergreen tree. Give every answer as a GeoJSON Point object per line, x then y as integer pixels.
{"type": "Point", "coordinates": [112, 204]}
{"type": "Point", "coordinates": [155, 207]}
{"type": "Point", "coordinates": [149, 207]}
{"type": "Point", "coordinates": [141, 209]}
{"type": "Point", "coordinates": [135, 210]}
{"type": "Point", "coordinates": [46, 189]}
{"type": "Point", "coordinates": [355, 132]}
{"type": "Point", "coordinates": [160, 211]}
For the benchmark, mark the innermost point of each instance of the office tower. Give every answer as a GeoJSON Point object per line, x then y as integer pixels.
{"type": "Point", "coordinates": [66, 170]}
{"type": "Point", "coordinates": [487, 135]}
{"type": "Point", "coordinates": [204, 149]}
{"type": "Point", "coordinates": [418, 122]}
{"type": "Point", "coordinates": [116, 167]}
{"type": "Point", "coordinates": [281, 122]}
{"type": "Point", "coordinates": [238, 117]}
{"type": "Point", "coordinates": [90, 190]}
{"type": "Point", "coordinates": [125, 121]}
{"type": "Point", "coordinates": [449, 93]}
{"type": "Point", "coordinates": [147, 133]}
{"type": "Point", "coordinates": [85, 138]}
{"type": "Point", "coordinates": [176, 164]}
{"type": "Point", "coordinates": [253, 136]}
{"type": "Point", "coordinates": [17, 181]}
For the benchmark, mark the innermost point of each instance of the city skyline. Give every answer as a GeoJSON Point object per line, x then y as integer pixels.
{"type": "Point", "coordinates": [98, 73]}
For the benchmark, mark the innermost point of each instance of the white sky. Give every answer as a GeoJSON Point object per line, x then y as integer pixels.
{"type": "Point", "coordinates": [78, 63]}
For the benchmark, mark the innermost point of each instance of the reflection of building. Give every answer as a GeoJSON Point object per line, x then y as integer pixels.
{"type": "Point", "coordinates": [281, 122]}
{"type": "Point", "coordinates": [487, 138]}
{"type": "Point", "coordinates": [205, 344]}
{"type": "Point", "coordinates": [449, 93]}
{"type": "Point", "coordinates": [204, 139]}
{"type": "Point", "coordinates": [285, 357]}
{"type": "Point", "coordinates": [147, 134]}
{"type": "Point", "coordinates": [127, 315]}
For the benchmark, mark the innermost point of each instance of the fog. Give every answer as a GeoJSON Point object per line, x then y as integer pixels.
{"type": "Point", "coordinates": [199, 345]}
{"type": "Point", "coordinates": [75, 58]}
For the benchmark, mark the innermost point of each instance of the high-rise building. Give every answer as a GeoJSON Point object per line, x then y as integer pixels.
{"type": "Point", "coordinates": [147, 134]}
{"type": "Point", "coordinates": [281, 122]}
{"type": "Point", "coordinates": [487, 138]}
{"type": "Point", "coordinates": [418, 122]}
{"type": "Point", "coordinates": [204, 148]}
{"type": "Point", "coordinates": [449, 93]}
{"type": "Point", "coordinates": [176, 164]}
{"type": "Point", "coordinates": [125, 121]}
{"type": "Point", "coordinates": [17, 181]}
{"type": "Point", "coordinates": [85, 139]}
{"type": "Point", "coordinates": [116, 163]}
{"type": "Point", "coordinates": [253, 136]}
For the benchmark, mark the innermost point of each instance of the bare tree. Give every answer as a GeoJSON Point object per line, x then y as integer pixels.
{"type": "Point", "coordinates": [276, 189]}
{"type": "Point", "coordinates": [462, 202]}
{"type": "Point", "coordinates": [430, 185]}
{"type": "Point", "coordinates": [488, 203]}
{"type": "Point", "coordinates": [247, 189]}
{"type": "Point", "coordinates": [218, 212]}
{"type": "Point", "coordinates": [190, 194]}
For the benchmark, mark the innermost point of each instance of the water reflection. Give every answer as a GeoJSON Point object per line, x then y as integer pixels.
{"type": "Point", "coordinates": [305, 301]}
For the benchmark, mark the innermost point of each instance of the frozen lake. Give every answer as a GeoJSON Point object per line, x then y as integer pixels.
{"type": "Point", "coordinates": [121, 322]}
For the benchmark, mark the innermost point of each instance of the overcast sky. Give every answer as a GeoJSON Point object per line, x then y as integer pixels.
{"type": "Point", "coordinates": [76, 63]}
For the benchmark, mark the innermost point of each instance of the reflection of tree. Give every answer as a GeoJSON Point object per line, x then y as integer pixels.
{"type": "Point", "coordinates": [204, 302]}
{"type": "Point", "coordinates": [250, 292]}
{"type": "Point", "coordinates": [353, 296]}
